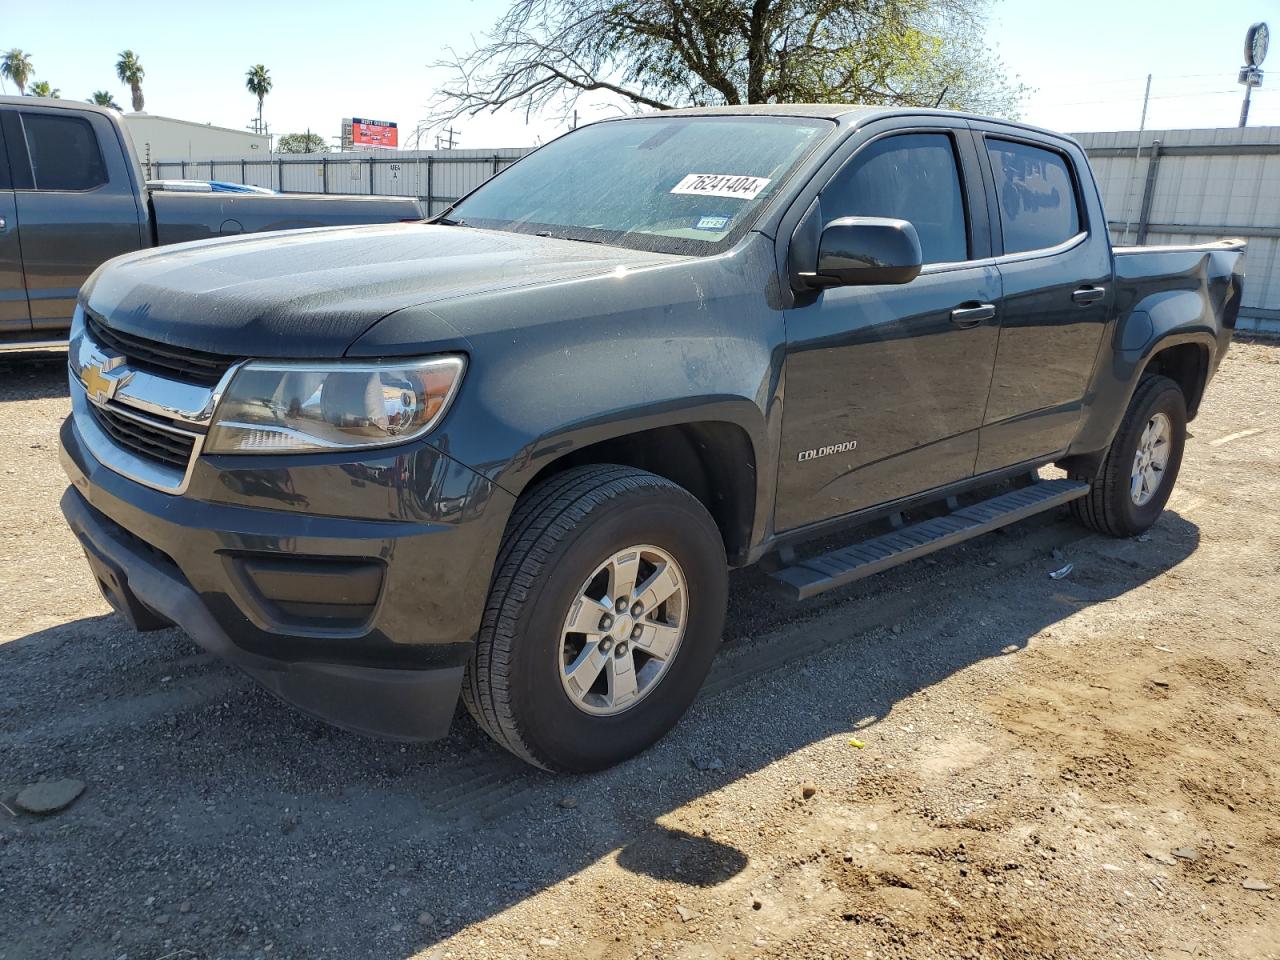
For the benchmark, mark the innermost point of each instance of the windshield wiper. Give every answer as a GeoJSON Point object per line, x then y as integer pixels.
{"type": "Point", "coordinates": [445, 221]}
{"type": "Point", "coordinates": [561, 236]}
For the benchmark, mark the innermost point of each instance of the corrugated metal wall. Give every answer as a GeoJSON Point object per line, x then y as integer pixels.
{"type": "Point", "coordinates": [436, 176]}
{"type": "Point", "coordinates": [1190, 186]}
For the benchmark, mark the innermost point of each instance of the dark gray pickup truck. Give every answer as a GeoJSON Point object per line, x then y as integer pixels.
{"type": "Point", "coordinates": [511, 455]}
{"type": "Point", "coordinates": [72, 196]}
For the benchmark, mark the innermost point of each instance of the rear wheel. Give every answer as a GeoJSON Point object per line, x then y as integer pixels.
{"type": "Point", "coordinates": [604, 615]}
{"type": "Point", "coordinates": [1136, 477]}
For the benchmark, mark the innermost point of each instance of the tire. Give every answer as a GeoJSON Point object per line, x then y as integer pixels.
{"type": "Point", "coordinates": [559, 535]}
{"type": "Point", "coordinates": [1111, 506]}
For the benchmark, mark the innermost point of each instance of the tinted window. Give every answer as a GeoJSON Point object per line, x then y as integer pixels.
{"type": "Point", "coordinates": [912, 177]}
{"type": "Point", "coordinates": [64, 152]}
{"type": "Point", "coordinates": [1037, 196]}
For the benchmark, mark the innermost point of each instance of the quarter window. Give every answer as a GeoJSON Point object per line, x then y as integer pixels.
{"type": "Point", "coordinates": [64, 152]}
{"type": "Point", "coordinates": [910, 176]}
{"type": "Point", "coordinates": [1038, 205]}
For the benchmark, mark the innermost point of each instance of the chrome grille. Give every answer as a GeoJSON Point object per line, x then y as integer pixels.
{"type": "Point", "coordinates": [137, 416]}
{"type": "Point", "coordinates": [144, 436]}
{"type": "Point", "coordinates": [181, 363]}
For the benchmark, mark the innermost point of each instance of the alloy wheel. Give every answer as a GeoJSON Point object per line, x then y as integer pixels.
{"type": "Point", "coordinates": [1150, 459]}
{"type": "Point", "coordinates": [623, 630]}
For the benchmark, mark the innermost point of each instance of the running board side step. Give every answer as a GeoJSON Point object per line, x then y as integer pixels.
{"type": "Point", "coordinates": [805, 578]}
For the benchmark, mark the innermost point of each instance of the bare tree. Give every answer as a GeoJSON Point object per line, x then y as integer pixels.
{"type": "Point", "coordinates": [546, 54]}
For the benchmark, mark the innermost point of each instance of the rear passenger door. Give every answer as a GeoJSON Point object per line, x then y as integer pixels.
{"type": "Point", "coordinates": [76, 198]}
{"type": "Point", "coordinates": [1054, 258]}
{"type": "Point", "coordinates": [14, 315]}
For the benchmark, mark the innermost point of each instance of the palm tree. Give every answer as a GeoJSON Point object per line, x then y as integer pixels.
{"type": "Point", "coordinates": [102, 98]}
{"type": "Point", "coordinates": [129, 70]}
{"type": "Point", "coordinates": [41, 88]}
{"type": "Point", "coordinates": [16, 65]}
{"type": "Point", "coordinates": [258, 82]}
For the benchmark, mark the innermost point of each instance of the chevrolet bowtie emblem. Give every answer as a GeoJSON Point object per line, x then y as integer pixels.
{"type": "Point", "coordinates": [98, 379]}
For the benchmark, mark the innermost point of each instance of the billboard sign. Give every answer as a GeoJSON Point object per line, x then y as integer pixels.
{"type": "Point", "coordinates": [371, 133]}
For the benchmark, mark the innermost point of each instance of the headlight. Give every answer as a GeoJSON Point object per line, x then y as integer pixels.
{"type": "Point", "coordinates": [309, 407]}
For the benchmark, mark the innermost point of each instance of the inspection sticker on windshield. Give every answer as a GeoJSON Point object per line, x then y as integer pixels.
{"type": "Point", "coordinates": [711, 223]}
{"type": "Point", "coordinates": [721, 185]}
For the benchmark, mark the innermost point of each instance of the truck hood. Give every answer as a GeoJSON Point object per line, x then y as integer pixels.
{"type": "Point", "coordinates": [311, 293]}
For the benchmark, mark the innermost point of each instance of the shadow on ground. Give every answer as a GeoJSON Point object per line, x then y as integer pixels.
{"type": "Point", "coordinates": [221, 823]}
{"type": "Point", "coordinates": [37, 376]}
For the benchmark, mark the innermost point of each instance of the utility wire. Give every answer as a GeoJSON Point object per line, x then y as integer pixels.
{"type": "Point", "coordinates": [1162, 77]}
{"type": "Point", "coordinates": [1163, 96]}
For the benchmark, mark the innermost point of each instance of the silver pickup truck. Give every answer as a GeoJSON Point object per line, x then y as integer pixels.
{"type": "Point", "coordinates": [72, 196]}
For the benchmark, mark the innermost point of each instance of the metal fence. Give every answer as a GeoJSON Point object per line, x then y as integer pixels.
{"type": "Point", "coordinates": [1189, 186]}
{"type": "Point", "coordinates": [437, 177]}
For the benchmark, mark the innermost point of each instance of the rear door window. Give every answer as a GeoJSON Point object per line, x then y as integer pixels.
{"type": "Point", "coordinates": [908, 176]}
{"type": "Point", "coordinates": [1038, 203]}
{"type": "Point", "coordinates": [64, 152]}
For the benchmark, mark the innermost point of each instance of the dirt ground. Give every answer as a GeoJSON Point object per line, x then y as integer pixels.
{"type": "Point", "coordinates": [1073, 768]}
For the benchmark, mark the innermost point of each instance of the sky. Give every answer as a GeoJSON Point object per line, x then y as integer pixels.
{"type": "Point", "coordinates": [1086, 61]}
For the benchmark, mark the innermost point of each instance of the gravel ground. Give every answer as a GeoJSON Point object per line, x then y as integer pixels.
{"type": "Point", "coordinates": [960, 758]}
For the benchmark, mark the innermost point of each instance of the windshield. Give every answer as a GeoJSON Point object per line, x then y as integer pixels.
{"type": "Point", "coordinates": [688, 185]}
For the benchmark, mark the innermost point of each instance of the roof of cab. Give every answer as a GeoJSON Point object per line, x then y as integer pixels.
{"type": "Point", "coordinates": [827, 111]}
{"type": "Point", "coordinates": [850, 114]}
{"type": "Point", "coordinates": [57, 102]}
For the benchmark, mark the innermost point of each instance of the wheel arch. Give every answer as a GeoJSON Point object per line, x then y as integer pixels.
{"type": "Point", "coordinates": [715, 460]}
{"type": "Point", "coordinates": [1187, 365]}
{"type": "Point", "coordinates": [1186, 358]}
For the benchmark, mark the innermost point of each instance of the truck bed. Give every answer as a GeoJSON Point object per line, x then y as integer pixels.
{"type": "Point", "coordinates": [182, 216]}
{"type": "Point", "coordinates": [1193, 287]}
{"type": "Point", "coordinates": [1217, 267]}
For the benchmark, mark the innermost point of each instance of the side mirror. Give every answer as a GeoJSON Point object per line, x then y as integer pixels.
{"type": "Point", "coordinates": [857, 251]}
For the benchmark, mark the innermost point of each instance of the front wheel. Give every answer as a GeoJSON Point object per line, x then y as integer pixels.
{"type": "Point", "coordinates": [1137, 474]}
{"type": "Point", "coordinates": [605, 612]}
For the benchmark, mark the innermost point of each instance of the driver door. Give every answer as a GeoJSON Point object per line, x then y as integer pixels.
{"type": "Point", "coordinates": [886, 385]}
{"type": "Point", "coordinates": [15, 317]}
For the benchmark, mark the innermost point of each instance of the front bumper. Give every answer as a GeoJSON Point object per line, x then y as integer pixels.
{"type": "Point", "coordinates": [365, 623]}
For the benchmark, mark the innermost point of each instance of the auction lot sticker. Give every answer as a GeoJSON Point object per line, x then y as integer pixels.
{"type": "Point", "coordinates": [721, 185]}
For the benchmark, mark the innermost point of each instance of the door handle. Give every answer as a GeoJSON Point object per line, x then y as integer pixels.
{"type": "Point", "coordinates": [971, 314]}
{"type": "Point", "coordinates": [1089, 294]}
{"type": "Point", "coordinates": [4, 224]}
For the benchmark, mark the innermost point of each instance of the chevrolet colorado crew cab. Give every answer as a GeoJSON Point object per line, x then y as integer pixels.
{"type": "Point", "coordinates": [512, 454]}
{"type": "Point", "coordinates": [72, 196]}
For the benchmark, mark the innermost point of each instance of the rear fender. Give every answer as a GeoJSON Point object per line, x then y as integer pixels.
{"type": "Point", "coordinates": [1165, 297]}
{"type": "Point", "coordinates": [1169, 320]}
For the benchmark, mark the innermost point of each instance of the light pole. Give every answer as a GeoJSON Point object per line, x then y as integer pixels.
{"type": "Point", "coordinates": [1256, 41]}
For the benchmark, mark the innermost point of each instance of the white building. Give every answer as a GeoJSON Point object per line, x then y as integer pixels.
{"type": "Point", "coordinates": [1193, 186]}
{"type": "Point", "coordinates": [165, 138]}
